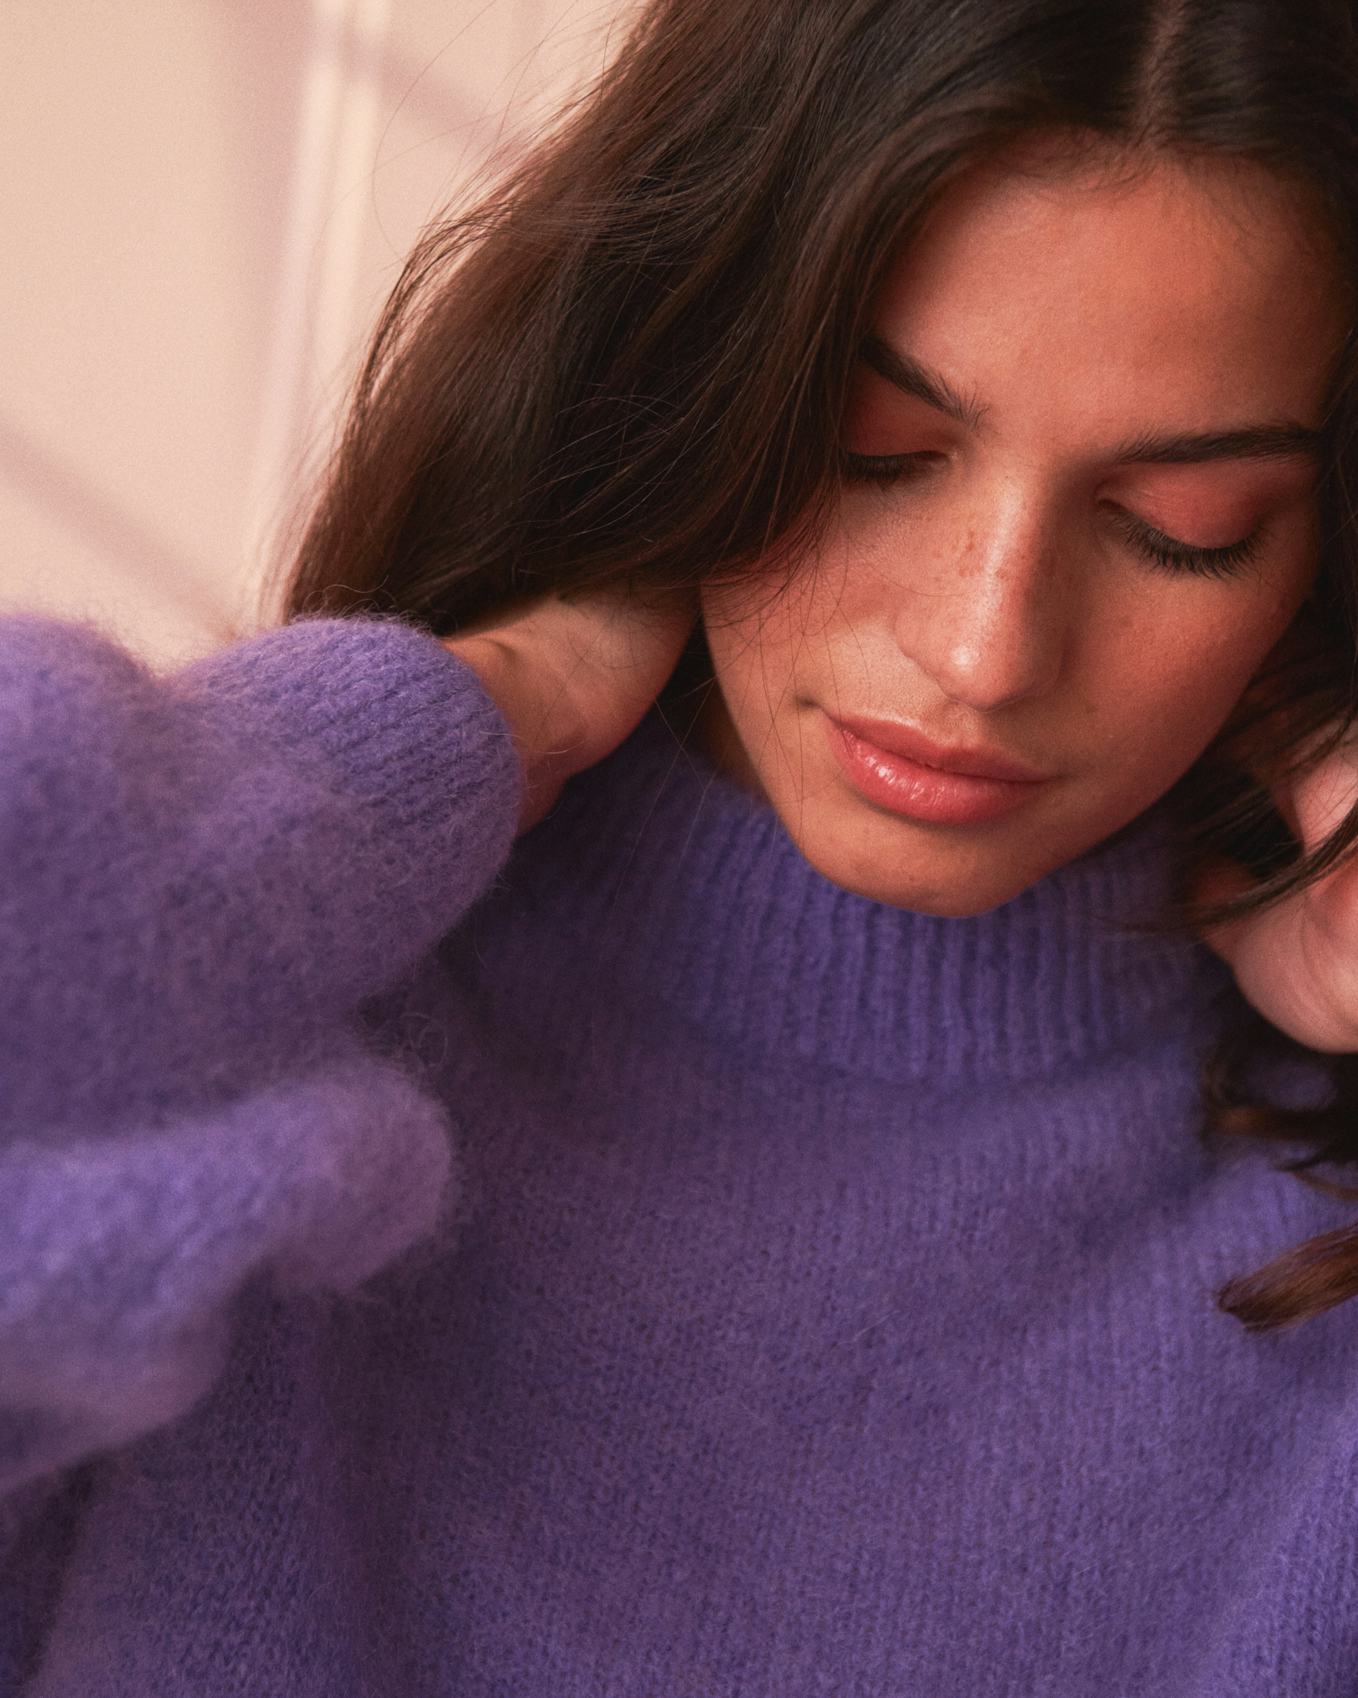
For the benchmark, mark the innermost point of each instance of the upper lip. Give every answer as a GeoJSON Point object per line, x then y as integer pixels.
{"type": "Point", "coordinates": [896, 739]}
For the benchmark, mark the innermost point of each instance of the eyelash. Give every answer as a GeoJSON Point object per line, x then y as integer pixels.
{"type": "Point", "coordinates": [1164, 552]}
{"type": "Point", "coordinates": [882, 469]}
{"type": "Point", "coordinates": [1174, 556]}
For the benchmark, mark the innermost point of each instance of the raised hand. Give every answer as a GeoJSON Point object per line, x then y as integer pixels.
{"type": "Point", "coordinates": [573, 677]}
{"type": "Point", "coordinates": [1297, 962]}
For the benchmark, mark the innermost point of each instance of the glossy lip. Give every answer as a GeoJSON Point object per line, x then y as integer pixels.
{"type": "Point", "coordinates": [926, 794]}
{"type": "Point", "coordinates": [894, 739]}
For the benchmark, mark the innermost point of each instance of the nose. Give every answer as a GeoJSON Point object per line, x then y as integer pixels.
{"type": "Point", "coordinates": [993, 624]}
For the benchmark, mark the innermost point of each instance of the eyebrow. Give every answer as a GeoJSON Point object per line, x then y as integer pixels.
{"type": "Point", "coordinates": [1247, 442]}
{"type": "Point", "coordinates": [913, 378]}
{"type": "Point", "coordinates": [1270, 440]}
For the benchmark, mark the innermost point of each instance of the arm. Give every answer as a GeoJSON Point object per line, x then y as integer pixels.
{"type": "Point", "coordinates": [199, 873]}
{"type": "Point", "coordinates": [201, 877]}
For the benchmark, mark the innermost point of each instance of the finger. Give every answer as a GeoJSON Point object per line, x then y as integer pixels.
{"type": "Point", "coordinates": [1315, 803]}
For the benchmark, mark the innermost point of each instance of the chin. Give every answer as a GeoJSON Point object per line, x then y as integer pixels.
{"type": "Point", "coordinates": [951, 905]}
{"type": "Point", "coordinates": [958, 889]}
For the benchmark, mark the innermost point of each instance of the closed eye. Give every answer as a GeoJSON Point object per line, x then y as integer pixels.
{"type": "Point", "coordinates": [885, 469]}
{"type": "Point", "coordinates": [1170, 555]}
{"type": "Point", "coordinates": [1166, 553]}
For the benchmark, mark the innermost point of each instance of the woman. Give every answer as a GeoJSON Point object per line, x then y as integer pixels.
{"type": "Point", "coordinates": [749, 1235]}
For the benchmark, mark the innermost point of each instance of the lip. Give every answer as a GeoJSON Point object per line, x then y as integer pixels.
{"type": "Point", "coordinates": [904, 784]}
{"type": "Point", "coordinates": [894, 739]}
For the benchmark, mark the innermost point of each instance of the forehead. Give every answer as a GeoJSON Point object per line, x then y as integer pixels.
{"type": "Point", "coordinates": [1170, 289]}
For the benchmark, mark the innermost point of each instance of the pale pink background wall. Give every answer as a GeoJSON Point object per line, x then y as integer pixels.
{"type": "Point", "coordinates": [204, 203]}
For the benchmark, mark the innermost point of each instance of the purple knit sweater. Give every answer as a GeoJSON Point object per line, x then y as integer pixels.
{"type": "Point", "coordinates": [624, 1267]}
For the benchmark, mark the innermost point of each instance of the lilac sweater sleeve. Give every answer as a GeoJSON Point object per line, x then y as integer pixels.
{"type": "Point", "coordinates": [202, 877]}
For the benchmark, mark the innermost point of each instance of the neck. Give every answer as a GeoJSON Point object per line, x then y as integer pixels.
{"type": "Point", "coordinates": [673, 887]}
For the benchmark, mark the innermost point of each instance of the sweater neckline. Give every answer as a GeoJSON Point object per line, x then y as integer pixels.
{"type": "Point", "coordinates": [682, 888]}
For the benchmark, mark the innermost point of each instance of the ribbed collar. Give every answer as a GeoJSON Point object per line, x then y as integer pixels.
{"type": "Point", "coordinates": [677, 885]}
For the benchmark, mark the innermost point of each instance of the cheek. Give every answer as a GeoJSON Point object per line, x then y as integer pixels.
{"type": "Point", "coordinates": [1165, 685]}
{"type": "Point", "coordinates": [758, 635]}
{"type": "Point", "coordinates": [768, 632]}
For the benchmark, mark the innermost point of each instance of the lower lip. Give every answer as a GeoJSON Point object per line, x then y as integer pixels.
{"type": "Point", "coordinates": [917, 792]}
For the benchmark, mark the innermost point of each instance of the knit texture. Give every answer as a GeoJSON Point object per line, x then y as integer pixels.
{"type": "Point", "coordinates": [618, 1264]}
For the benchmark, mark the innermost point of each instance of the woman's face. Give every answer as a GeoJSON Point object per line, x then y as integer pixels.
{"type": "Point", "coordinates": [1092, 404]}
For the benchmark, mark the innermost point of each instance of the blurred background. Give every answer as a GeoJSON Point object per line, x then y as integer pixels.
{"type": "Point", "coordinates": [206, 203]}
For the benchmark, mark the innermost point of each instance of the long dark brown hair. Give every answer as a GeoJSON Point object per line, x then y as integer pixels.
{"type": "Point", "coordinates": [628, 365]}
